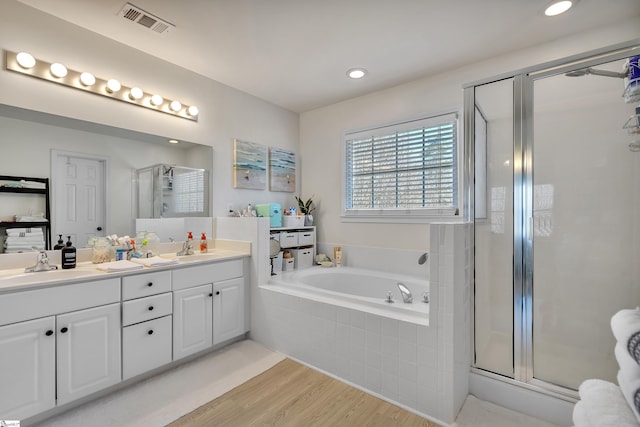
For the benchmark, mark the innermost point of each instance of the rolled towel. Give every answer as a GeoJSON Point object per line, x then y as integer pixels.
{"type": "Point", "coordinates": [580, 418]}
{"type": "Point", "coordinates": [628, 366]}
{"type": "Point", "coordinates": [36, 239]}
{"type": "Point", "coordinates": [625, 325]}
{"type": "Point", "coordinates": [604, 405]}
{"type": "Point", "coordinates": [631, 392]}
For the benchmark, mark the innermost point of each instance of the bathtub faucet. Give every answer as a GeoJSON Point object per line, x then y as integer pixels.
{"type": "Point", "coordinates": [406, 293]}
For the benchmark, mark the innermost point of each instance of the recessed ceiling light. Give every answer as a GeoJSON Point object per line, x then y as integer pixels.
{"type": "Point", "coordinates": [557, 7]}
{"type": "Point", "coordinates": [173, 141]}
{"type": "Point", "coordinates": [356, 73]}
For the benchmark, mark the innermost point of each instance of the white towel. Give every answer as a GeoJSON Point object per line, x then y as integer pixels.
{"type": "Point", "coordinates": [155, 261]}
{"type": "Point", "coordinates": [625, 325]}
{"type": "Point", "coordinates": [33, 239]}
{"type": "Point", "coordinates": [25, 232]}
{"type": "Point", "coordinates": [122, 265]}
{"type": "Point", "coordinates": [604, 405]}
{"type": "Point", "coordinates": [630, 388]}
{"type": "Point", "coordinates": [580, 417]}
{"type": "Point", "coordinates": [629, 367]}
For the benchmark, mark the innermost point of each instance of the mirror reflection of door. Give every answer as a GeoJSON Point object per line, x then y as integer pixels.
{"type": "Point", "coordinates": [79, 196]}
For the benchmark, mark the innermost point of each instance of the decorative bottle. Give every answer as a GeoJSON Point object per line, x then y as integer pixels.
{"type": "Point", "coordinates": [60, 243]}
{"type": "Point", "coordinates": [69, 255]}
{"type": "Point", "coordinates": [204, 248]}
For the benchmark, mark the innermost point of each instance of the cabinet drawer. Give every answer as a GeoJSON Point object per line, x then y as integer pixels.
{"type": "Point", "coordinates": [199, 275]}
{"type": "Point", "coordinates": [146, 346]}
{"type": "Point", "coordinates": [288, 240]}
{"type": "Point", "coordinates": [143, 285]}
{"type": "Point", "coordinates": [305, 238]}
{"type": "Point", "coordinates": [27, 305]}
{"type": "Point", "coordinates": [142, 309]}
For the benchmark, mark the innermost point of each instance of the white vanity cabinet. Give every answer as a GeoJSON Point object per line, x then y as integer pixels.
{"type": "Point", "coordinates": [62, 340]}
{"type": "Point", "coordinates": [146, 322]}
{"type": "Point", "coordinates": [28, 368]}
{"type": "Point", "coordinates": [208, 306]}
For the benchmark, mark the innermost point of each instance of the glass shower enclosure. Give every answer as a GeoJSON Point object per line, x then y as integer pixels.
{"type": "Point", "coordinates": [557, 218]}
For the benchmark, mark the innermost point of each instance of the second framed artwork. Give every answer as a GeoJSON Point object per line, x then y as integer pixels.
{"type": "Point", "coordinates": [282, 170]}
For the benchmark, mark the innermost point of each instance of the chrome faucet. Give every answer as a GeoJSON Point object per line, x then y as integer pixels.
{"type": "Point", "coordinates": [187, 249]}
{"type": "Point", "coordinates": [406, 293]}
{"type": "Point", "coordinates": [42, 264]}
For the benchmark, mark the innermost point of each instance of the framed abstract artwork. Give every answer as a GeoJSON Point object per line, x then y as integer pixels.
{"type": "Point", "coordinates": [282, 170]}
{"type": "Point", "coordinates": [249, 165]}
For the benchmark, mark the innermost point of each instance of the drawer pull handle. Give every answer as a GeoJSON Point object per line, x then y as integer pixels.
{"type": "Point", "coordinates": [150, 284]}
{"type": "Point", "coordinates": [150, 332]}
{"type": "Point", "coordinates": [49, 333]}
{"type": "Point", "coordinates": [150, 308]}
{"type": "Point", "coordinates": [64, 330]}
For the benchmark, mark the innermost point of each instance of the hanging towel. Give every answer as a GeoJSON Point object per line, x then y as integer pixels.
{"type": "Point", "coordinates": [604, 405]}
{"type": "Point", "coordinates": [155, 261]}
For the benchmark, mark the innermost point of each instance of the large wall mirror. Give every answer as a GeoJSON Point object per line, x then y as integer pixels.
{"type": "Point", "coordinates": [36, 144]}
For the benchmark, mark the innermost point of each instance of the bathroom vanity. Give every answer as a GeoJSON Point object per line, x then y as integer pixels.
{"type": "Point", "coordinates": [65, 335]}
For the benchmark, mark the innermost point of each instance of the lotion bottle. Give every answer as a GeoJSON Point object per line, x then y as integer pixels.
{"type": "Point", "coordinates": [60, 244]}
{"type": "Point", "coordinates": [337, 256]}
{"type": "Point", "coordinates": [69, 255]}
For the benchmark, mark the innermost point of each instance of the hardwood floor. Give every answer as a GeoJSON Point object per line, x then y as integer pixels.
{"type": "Point", "coordinates": [290, 394]}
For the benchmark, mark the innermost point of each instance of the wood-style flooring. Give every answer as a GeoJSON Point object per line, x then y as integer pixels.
{"type": "Point", "coordinates": [291, 394]}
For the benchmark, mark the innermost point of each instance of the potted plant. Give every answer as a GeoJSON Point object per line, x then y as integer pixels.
{"type": "Point", "coordinates": [306, 207]}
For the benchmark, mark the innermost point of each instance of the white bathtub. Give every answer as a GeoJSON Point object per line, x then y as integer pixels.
{"type": "Point", "coordinates": [358, 289]}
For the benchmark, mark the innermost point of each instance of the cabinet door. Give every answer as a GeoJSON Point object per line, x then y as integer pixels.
{"type": "Point", "coordinates": [89, 357]}
{"type": "Point", "coordinates": [192, 320]}
{"type": "Point", "coordinates": [27, 370]}
{"type": "Point", "coordinates": [228, 309]}
{"type": "Point", "coordinates": [146, 346]}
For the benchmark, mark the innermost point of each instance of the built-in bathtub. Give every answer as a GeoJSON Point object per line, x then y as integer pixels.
{"type": "Point", "coordinates": [358, 289]}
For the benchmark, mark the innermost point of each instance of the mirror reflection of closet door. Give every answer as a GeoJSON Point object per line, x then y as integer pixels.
{"type": "Point", "coordinates": [79, 205]}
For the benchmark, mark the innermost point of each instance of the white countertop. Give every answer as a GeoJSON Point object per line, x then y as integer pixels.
{"type": "Point", "coordinates": [16, 279]}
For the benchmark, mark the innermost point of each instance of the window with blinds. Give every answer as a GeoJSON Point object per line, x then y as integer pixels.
{"type": "Point", "coordinates": [409, 167]}
{"type": "Point", "coordinates": [188, 192]}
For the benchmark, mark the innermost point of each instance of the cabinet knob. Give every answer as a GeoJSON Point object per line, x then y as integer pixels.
{"type": "Point", "coordinates": [150, 332]}
{"type": "Point", "coordinates": [150, 308]}
{"type": "Point", "coordinates": [49, 333]}
{"type": "Point", "coordinates": [64, 330]}
{"type": "Point", "coordinates": [99, 228]}
{"type": "Point", "coordinates": [210, 295]}
{"type": "Point", "coordinates": [150, 284]}
{"type": "Point", "coordinates": [217, 292]}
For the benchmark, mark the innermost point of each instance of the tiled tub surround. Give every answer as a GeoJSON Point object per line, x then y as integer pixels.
{"type": "Point", "coordinates": [423, 368]}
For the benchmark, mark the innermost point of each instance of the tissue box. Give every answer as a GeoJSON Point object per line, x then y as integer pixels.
{"type": "Point", "coordinates": [273, 211]}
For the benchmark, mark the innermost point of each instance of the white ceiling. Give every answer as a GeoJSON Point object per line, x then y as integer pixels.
{"type": "Point", "coordinates": [295, 53]}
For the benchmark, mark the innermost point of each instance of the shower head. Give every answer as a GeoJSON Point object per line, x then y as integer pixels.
{"type": "Point", "coordinates": [585, 71]}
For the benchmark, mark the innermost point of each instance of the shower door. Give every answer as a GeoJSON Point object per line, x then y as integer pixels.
{"type": "Point", "coordinates": [556, 221]}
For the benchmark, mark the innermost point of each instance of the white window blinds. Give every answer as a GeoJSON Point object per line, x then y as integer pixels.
{"type": "Point", "coordinates": [406, 166]}
{"type": "Point", "coordinates": [188, 192]}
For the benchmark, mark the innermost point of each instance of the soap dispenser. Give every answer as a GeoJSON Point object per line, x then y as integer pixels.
{"type": "Point", "coordinates": [60, 243]}
{"type": "Point", "coordinates": [69, 255]}
{"type": "Point", "coordinates": [204, 247]}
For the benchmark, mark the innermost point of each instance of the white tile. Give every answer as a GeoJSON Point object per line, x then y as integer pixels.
{"type": "Point", "coordinates": [389, 327]}
{"type": "Point", "coordinates": [390, 346]}
{"type": "Point", "coordinates": [408, 332]}
{"type": "Point", "coordinates": [408, 352]}
{"type": "Point", "coordinates": [358, 319]}
{"type": "Point", "coordinates": [390, 365]}
{"type": "Point", "coordinates": [373, 323]}
{"type": "Point", "coordinates": [373, 379]}
{"type": "Point", "coordinates": [390, 385]}
{"type": "Point", "coordinates": [357, 336]}
{"type": "Point", "coordinates": [373, 341]}
{"type": "Point", "coordinates": [343, 315]}
{"type": "Point", "coordinates": [374, 360]}
{"type": "Point", "coordinates": [407, 391]}
{"type": "Point", "coordinates": [408, 371]}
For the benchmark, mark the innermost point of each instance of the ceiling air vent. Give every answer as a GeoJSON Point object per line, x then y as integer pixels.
{"type": "Point", "coordinates": [133, 13]}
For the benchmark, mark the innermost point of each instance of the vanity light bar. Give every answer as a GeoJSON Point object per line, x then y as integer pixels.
{"type": "Point", "coordinates": [25, 63]}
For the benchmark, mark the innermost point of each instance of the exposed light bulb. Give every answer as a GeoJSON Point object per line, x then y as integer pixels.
{"type": "Point", "coordinates": [175, 106]}
{"type": "Point", "coordinates": [193, 111]}
{"type": "Point", "coordinates": [87, 79]}
{"type": "Point", "coordinates": [58, 70]}
{"type": "Point", "coordinates": [113, 86]}
{"type": "Point", "coordinates": [135, 93]}
{"type": "Point", "coordinates": [558, 7]}
{"type": "Point", "coordinates": [173, 141]}
{"type": "Point", "coordinates": [25, 60]}
{"type": "Point", "coordinates": [156, 100]}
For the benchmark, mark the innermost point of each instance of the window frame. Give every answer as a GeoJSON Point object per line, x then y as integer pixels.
{"type": "Point", "coordinates": [406, 215]}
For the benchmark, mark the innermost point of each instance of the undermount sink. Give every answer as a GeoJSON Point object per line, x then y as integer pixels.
{"type": "Point", "coordinates": [43, 276]}
{"type": "Point", "coordinates": [194, 257]}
